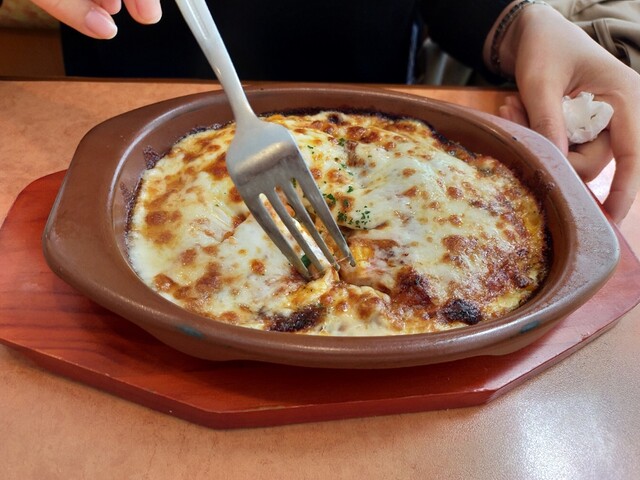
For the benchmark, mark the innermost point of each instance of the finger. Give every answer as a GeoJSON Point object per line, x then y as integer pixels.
{"type": "Point", "coordinates": [624, 186]}
{"type": "Point", "coordinates": [144, 11]}
{"type": "Point", "coordinates": [111, 6]}
{"type": "Point", "coordinates": [544, 110]}
{"type": "Point", "coordinates": [86, 16]}
{"type": "Point", "coordinates": [625, 143]}
{"type": "Point", "coordinates": [589, 159]}
{"type": "Point", "coordinates": [623, 191]}
{"type": "Point", "coordinates": [514, 110]}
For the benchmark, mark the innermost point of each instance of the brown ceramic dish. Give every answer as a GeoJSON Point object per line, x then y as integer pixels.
{"type": "Point", "coordinates": [84, 237]}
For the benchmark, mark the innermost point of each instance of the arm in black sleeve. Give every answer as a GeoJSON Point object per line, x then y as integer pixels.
{"type": "Point", "coordinates": [460, 27]}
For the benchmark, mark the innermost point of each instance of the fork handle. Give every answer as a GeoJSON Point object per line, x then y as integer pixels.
{"type": "Point", "coordinates": [198, 18]}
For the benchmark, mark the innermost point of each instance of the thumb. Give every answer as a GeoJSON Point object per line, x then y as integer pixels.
{"type": "Point", "coordinates": [86, 16]}
{"type": "Point", "coordinates": [544, 110]}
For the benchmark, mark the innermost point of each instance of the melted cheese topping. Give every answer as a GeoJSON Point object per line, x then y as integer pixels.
{"type": "Point", "coordinates": [442, 237]}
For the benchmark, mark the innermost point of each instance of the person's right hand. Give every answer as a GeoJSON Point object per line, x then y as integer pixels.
{"type": "Point", "coordinates": [94, 17]}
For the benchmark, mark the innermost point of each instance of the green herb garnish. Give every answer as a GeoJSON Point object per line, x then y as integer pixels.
{"type": "Point", "coordinates": [331, 198]}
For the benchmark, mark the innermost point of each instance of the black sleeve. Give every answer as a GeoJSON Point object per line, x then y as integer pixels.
{"type": "Point", "coordinates": [460, 27]}
{"type": "Point", "coordinates": [284, 40]}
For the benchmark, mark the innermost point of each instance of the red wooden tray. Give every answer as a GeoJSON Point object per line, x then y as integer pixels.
{"type": "Point", "coordinates": [68, 334]}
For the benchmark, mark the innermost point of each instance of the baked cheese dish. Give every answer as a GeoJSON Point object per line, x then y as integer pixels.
{"type": "Point", "coordinates": [442, 237]}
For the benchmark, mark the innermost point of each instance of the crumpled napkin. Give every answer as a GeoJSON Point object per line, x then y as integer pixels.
{"type": "Point", "coordinates": [585, 117]}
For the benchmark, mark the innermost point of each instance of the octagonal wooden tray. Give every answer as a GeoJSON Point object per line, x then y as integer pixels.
{"type": "Point", "coordinates": [68, 334]}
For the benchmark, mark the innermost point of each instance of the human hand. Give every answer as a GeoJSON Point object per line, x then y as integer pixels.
{"type": "Point", "coordinates": [94, 17]}
{"type": "Point", "coordinates": [551, 57]}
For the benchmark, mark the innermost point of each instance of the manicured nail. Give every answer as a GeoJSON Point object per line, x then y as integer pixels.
{"type": "Point", "coordinates": [149, 11]}
{"type": "Point", "coordinates": [100, 23]}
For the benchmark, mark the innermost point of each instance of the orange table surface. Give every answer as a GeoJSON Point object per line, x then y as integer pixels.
{"type": "Point", "coordinates": [579, 419]}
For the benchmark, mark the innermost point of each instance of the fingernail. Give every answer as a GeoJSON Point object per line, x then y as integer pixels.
{"type": "Point", "coordinates": [100, 24]}
{"type": "Point", "coordinates": [150, 12]}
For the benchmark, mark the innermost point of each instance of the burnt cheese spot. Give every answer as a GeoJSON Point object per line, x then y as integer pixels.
{"type": "Point", "coordinates": [325, 127]}
{"type": "Point", "coordinates": [218, 168]}
{"type": "Point", "coordinates": [410, 192]}
{"type": "Point", "coordinates": [205, 145]}
{"type": "Point", "coordinates": [160, 200]}
{"type": "Point", "coordinates": [516, 222]}
{"type": "Point", "coordinates": [229, 317]}
{"type": "Point", "coordinates": [455, 220]}
{"type": "Point", "coordinates": [210, 281]}
{"type": "Point", "coordinates": [211, 250]}
{"type": "Point", "coordinates": [302, 319]}
{"type": "Point", "coordinates": [454, 192]}
{"type": "Point", "coordinates": [160, 217]}
{"type": "Point", "coordinates": [163, 283]}
{"type": "Point", "coordinates": [460, 249]}
{"type": "Point", "coordinates": [234, 195]}
{"type": "Point", "coordinates": [370, 136]}
{"type": "Point", "coordinates": [404, 126]}
{"type": "Point", "coordinates": [356, 132]}
{"type": "Point", "coordinates": [497, 279]}
{"type": "Point", "coordinates": [369, 305]}
{"type": "Point", "coordinates": [258, 267]}
{"type": "Point", "coordinates": [353, 159]}
{"type": "Point", "coordinates": [460, 310]}
{"type": "Point", "coordinates": [459, 243]}
{"type": "Point", "coordinates": [237, 220]}
{"type": "Point", "coordinates": [190, 155]}
{"type": "Point", "coordinates": [412, 288]}
{"type": "Point", "coordinates": [334, 175]}
{"type": "Point", "coordinates": [157, 217]}
{"type": "Point", "coordinates": [188, 256]}
{"type": "Point", "coordinates": [163, 238]}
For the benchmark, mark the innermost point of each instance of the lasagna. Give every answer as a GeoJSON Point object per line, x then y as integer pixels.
{"type": "Point", "coordinates": [442, 237]}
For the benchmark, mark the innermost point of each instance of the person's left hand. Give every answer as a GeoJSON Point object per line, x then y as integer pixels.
{"type": "Point", "coordinates": [94, 17]}
{"type": "Point", "coordinates": [551, 57]}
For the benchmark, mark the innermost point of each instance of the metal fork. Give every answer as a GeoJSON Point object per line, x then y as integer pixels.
{"type": "Point", "coordinates": [264, 158]}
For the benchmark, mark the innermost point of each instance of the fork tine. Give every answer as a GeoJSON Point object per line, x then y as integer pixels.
{"type": "Point", "coordinates": [320, 207]}
{"type": "Point", "coordinates": [284, 215]}
{"type": "Point", "coordinates": [263, 218]}
{"type": "Point", "coordinates": [304, 218]}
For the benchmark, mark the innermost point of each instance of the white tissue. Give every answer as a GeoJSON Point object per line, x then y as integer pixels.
{"type": "Point", "coordinates": [585, 117]}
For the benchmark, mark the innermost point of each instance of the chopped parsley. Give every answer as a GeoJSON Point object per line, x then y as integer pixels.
{"type": "Point", "coordinates": [305, 260]}
{"type": "Point", "coordinates": [360, 220]}
{"type": "Point", "coordinates": [331, 199]}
